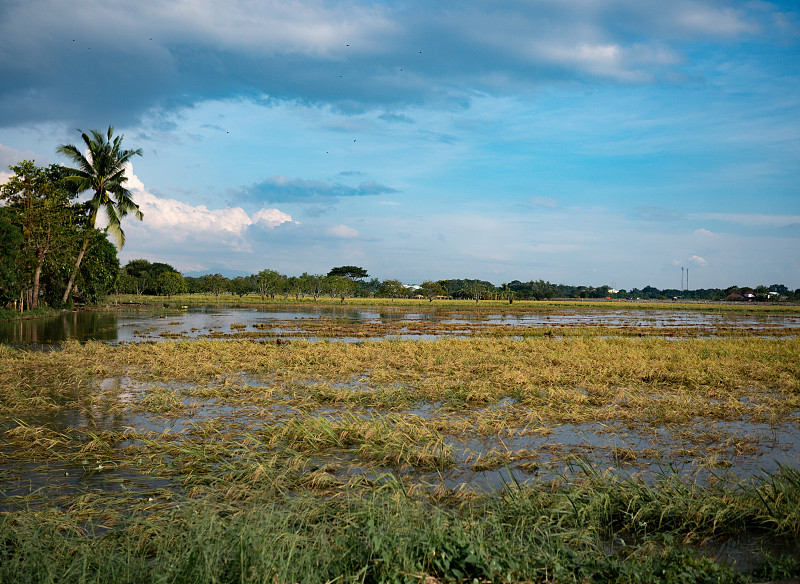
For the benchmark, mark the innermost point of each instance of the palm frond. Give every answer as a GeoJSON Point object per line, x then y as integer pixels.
{"type": "Point", "coordinates": [102, 170]}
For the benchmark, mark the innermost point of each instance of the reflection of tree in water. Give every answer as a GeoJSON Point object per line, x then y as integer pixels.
{"type": "Point", "coordinates": [76, 325]}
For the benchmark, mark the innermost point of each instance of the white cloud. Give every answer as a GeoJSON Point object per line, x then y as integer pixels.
{"type": "Point", "coordinates": [698, 261]}
{"type": "Point", "coordinates": [270, 218]}
{"type": "Point", "coordinates": [704, 233]}
{"type": "Point", "coordinates": [343, 231]}
{"type": "Point", "coordinates": [179, 222]}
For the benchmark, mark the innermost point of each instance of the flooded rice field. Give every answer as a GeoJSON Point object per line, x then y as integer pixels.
{"type": "Point", "coordinates": [134, 324]}
{"type": "Point", "coordinates": [456, 406]}
{"type": "Point", "coordinates": [340, 427]}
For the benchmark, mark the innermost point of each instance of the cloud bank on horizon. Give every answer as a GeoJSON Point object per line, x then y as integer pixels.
{"type": "Point", "coordinates": [585, 142]}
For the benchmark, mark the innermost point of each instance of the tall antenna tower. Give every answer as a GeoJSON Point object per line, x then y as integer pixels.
{"type": "Point", "coordinates": [681, 278]}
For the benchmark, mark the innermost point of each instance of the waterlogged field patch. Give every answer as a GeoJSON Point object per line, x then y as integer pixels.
{"type": "Point", "coordinates": [614, 454]}
{"type": "Point", "coordinates": [358, 320]}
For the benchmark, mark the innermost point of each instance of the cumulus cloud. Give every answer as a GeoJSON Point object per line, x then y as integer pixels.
{"type": "Point", "coordinates": [698, 261]}
{"type": "Point", "coordinates": [179, 222]}
{"type": "Point", "coordinates": [704, 233]}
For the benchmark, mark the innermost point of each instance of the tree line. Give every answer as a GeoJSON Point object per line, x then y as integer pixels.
{"type": "Point", "coordinates": [142, 277]}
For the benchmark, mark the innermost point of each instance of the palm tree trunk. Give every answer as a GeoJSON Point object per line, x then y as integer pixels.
{"type": "Point", "coordinates": [75, 270]}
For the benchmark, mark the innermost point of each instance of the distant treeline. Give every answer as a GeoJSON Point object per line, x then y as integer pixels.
{"type": "Point", "coordinates": [142, 277]}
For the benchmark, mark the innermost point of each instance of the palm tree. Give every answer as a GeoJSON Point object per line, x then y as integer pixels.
{"type": "Point", "coordinates": [101, 170]}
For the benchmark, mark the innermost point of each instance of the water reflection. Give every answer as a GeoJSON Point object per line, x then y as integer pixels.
{"type": "Point", "coordinates": [132, 325]}
{"type": "Point", "coordinates": [78, 325]}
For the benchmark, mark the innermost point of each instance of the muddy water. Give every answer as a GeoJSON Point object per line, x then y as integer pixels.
{"type": "Point", "coordinates": [131, 325]}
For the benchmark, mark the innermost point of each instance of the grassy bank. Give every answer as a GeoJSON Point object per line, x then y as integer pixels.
{"type": "Point", "coordinates": [41, 312]}
{"type": "Point", "coordinates": [518, 306]}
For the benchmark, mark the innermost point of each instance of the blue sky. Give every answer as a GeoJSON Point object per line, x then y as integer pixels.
{"type": "Point", "coordinates": [582, 142]}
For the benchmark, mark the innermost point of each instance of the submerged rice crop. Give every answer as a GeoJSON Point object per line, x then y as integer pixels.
{"type": "Point", "coordinates": [560, 458]}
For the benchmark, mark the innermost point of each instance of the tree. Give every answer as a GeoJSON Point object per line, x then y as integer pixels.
{"type": "Point", "coordinates": [431, 290]}
{"type": "Point", "coordinates": [293, 286]}
{"type": "Point", "coordinates": [139, 276]}
{"type": "Point", "coordinates": [41, 208]}
{"type": "Point", "coordinates": [477, 290]}
{"type": "Point", "coordinates": [10, 257]}
{"type": "Point", "coordinates": [340, 287]}
{"type": "Point", "coordinates": [99, 270]}
{"type": "Point", "coordinates": [136, 276]}
{"type": "Point", "coordinates": [102, 171]}
{"type": "Point", "coordinates": [194, 284]}
{"type": "Point", "coordinates": [313, 284]}
{"type": "Point", "coordinates": [392, 289]}
{"type": "Point", "coordinates": [170, 283]}
{"type": "Point", "coordinates": [351, 272]}
{"type": "Point", "coordinates": [368, 289]}
{"type": "Point", "coordinates": [507, 292]}
{"type": "Point", "coordinates": [268, 283]}
{"type": "Point", "coordinates": [240, 285]}
{"type": "Point", "coordinates": [216, 284]}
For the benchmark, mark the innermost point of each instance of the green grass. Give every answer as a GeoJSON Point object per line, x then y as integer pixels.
{"type": "Point", "coordinates": [597, 529]}
{"type": "Point", "coordinates": [518, 306]}
{"type": "Point", "coordinates": [43, 311]}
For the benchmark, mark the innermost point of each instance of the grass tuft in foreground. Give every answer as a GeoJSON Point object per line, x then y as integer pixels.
{"type": "Point", "coordinates": [597, 529]}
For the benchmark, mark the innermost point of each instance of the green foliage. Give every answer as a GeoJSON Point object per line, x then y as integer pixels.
{"type": "Point", "coordinates": [10, 257]}
{"type": "Point", "coordinates": [39, 208]}
{"type": "Point", "coordinates": [170, 283]}
{"type": "Point", "coordinates": [431, 290]}
{"type": "Point", "coordinates": [340, 287]}
{"type": "Point", "coordinates": [392, 289]}
{"type": "Point", "coordinates": [312, 284]}
{"type": "Point", "coordinates": [215, 283]}
{"type": "Point", "coordinates": [240, 285]}
{"type": "Point", "coordinates": [472, 289]}
{"type": "Point", "coordinates": [368, 533]}
{"type": "Point", "coordinates": [99, 270]}
{"type": "Point", "coordinates": [269, 283]}
{"type": "Point", "coordinates": [102, 170]}
{"type": "Point", "coordinates": [351, 272]}
{"type": "Point", "coordinates": [139, 276]}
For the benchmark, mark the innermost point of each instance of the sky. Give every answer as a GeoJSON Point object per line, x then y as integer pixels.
{"type": "Point", "coordinates": [584, 142]}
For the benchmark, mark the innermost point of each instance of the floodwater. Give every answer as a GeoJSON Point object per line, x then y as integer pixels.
{"type": "Point", "coordinates": [739, 450]}
{"type": "Point", "coordinates": [133, 325]}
